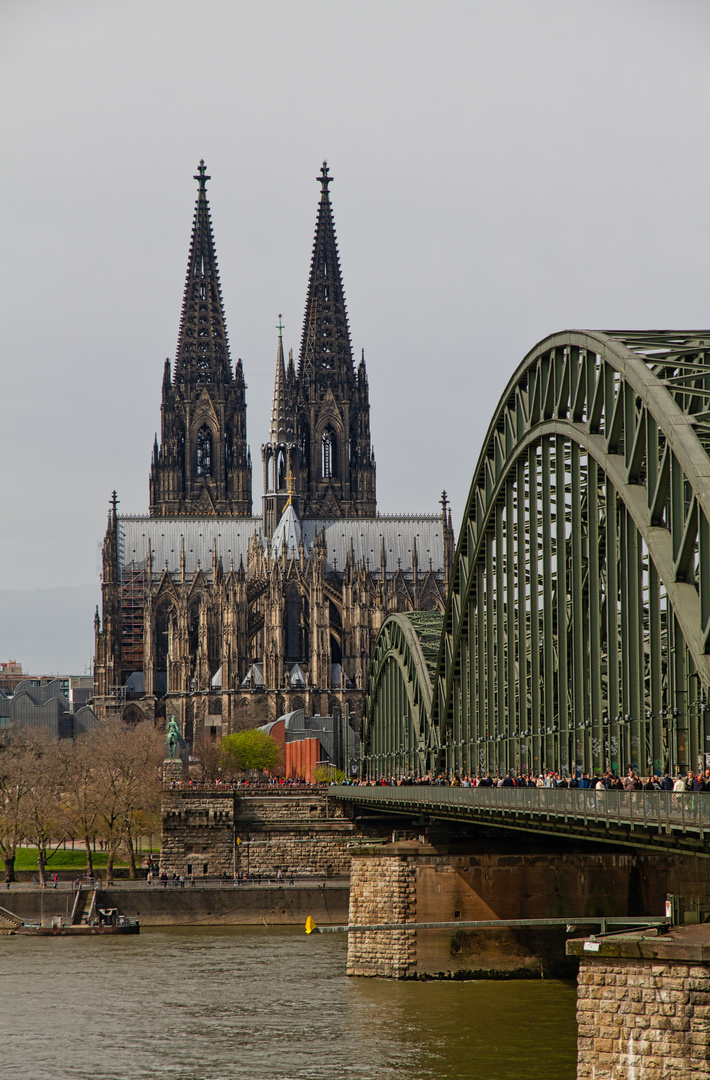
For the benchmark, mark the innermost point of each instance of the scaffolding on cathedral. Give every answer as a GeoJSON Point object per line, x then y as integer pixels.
{"type": "Point", "coordinates": [133, 582]}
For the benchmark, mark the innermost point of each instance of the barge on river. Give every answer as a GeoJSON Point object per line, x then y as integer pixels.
{"type": "Point", "coordinates": [61, 928]}
{"type": "Point", "coordinates": [97, 921]}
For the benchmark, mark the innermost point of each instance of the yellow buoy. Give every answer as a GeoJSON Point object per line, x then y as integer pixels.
{"type": "Point", "coordinates": [310, 924]}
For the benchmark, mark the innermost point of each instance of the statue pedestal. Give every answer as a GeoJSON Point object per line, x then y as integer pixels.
{"type": "Point", "coordinates": [172, 770]}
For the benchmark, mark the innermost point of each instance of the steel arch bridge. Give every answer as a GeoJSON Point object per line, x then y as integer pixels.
{"type": "Point", "coordinates": [577, 625]}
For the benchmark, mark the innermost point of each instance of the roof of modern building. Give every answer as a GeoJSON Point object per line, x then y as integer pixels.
{"type": "Point", "coordinates": [233, 536]}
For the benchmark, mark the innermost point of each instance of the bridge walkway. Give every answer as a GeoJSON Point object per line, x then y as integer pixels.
{"type": "Point", "coordinates": [661, 820]}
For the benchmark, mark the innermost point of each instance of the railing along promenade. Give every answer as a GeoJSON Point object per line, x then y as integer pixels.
{"type": "Point", "coordinates": [674, 821]}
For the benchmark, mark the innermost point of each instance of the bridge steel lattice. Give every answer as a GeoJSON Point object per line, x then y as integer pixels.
{"type": "Point", "coordinates": [400, 688]}
{"type": "Point", "coordinates": [577, 626]}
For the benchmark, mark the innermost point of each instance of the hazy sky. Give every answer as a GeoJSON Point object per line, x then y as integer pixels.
{"type": "Point", "coordinates": [503, 169]}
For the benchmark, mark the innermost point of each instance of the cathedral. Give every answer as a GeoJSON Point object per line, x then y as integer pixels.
{"type": "Point", "coordinates": [226, 619]}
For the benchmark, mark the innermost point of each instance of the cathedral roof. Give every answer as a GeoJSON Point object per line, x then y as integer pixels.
{"type": "Point", "coordinates": [368, 536]}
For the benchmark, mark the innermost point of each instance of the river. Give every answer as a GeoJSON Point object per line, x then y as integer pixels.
{"type": "Point", "coordinates": [267, 1004]}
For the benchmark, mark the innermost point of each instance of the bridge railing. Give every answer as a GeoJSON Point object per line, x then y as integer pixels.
{"type": "Point", "coordinates": [661, 810]}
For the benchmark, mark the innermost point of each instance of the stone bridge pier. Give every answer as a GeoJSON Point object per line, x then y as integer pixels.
{"type": "Point", "coordinates": [643, 1005]}
{"type": "Point", "coordinates": [418, 882]}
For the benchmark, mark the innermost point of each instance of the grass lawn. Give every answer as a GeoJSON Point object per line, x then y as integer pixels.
{"type": "Point", "coordinates": [67, 860]}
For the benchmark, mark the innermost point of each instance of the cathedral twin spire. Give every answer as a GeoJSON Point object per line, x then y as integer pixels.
{"type": "Point", "coordinates": [202, 465]}
{"type": "Point", "coordinates": [319, 447]}
{"type": "Point", "coordinates": [203, 348]}
{"type": "Point", "coordinates": [325, 341]}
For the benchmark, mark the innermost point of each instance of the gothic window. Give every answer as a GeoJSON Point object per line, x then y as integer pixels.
{"type": "Point", "coordinates": [132, 715]}
{"type": "Point", "coordinates": [294, 636]}
{"type": "Point", "coordinates": [165, 614]}
{"type": "Point", "coordinates": [193, 627]}
{"type": "Point", "coordinates": [181, 452]}
{"type": "Point", "coordinates": [204, 451]}
{"type": "Point", "coordinates": [328, 454]}
{"type": "Point", "coordinates": [280, 472]}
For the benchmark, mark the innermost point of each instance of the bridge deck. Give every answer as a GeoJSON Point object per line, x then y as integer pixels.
{"type": "Point", "coordinates": [657, 819]}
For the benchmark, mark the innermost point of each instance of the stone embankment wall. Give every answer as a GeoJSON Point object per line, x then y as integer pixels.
{"type": "Point", "coordinates": [221, 832]}
{"type": "Point", "coordinates": [382, 890]}
{"type": "Point", "coordinates": [643, 1020]}
{"type": "Point", "coordinates": [265, 905]}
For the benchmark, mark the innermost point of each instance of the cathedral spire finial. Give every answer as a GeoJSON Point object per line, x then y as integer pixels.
{"type": "Point", "coordinates": [324, 178]}
{"type": "Point", "coordinates": [201, 175]}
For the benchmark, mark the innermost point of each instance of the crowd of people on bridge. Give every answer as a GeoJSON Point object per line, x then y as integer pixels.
{"type": "Point", "coordinates": [607, 781]}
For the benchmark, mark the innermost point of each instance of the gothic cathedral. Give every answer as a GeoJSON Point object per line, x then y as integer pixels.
{"type": "Point", "coordinates": [228, 620]}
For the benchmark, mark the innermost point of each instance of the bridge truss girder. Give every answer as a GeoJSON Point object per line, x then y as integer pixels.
{"type": "Point", "coordinates": [578, 618]}
{"type": "Point", "coordinates": [399, 695]}
{"type": "Point", "coordinates": [577, 626]}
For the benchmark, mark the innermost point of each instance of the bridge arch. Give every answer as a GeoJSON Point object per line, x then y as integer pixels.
{"type": "Point", "coordinates": [577, 625]}
{"type": "Point", "coordinates": [399, 687]}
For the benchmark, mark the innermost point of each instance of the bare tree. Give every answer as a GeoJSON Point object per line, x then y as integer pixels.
{"type": "Point", "coordinates": [143, 767]}
{"type": "Point", "coordinates": [45, 820]}
{"type": "Point", "coordinates": [79, 791]}
{"type": "Point", "coordinates": [15, 782]}
{"type": "Point", "coordinates": [207, 755]}
{"type": "Point", "coordinates": [127, 782]}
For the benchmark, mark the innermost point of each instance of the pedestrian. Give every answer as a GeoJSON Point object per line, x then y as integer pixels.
{"type": "Point", "coordinates": [192, 879]}
{"type": "Point", "coordinates": [8, 879]}
{"type": "Point", "coordinates": [292, 880]}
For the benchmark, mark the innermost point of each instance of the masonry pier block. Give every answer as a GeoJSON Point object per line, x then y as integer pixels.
{"type": "Point", "coordinates": [422, 883]}
{"type": "Point", "coordinates": [643, 1005]}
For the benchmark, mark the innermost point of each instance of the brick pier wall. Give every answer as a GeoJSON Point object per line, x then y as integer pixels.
{"type": "Point", "coordinates": [219, 831]}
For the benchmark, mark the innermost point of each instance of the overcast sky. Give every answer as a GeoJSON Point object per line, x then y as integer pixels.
{"type": "Point", "coordinates": [503, 169]}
